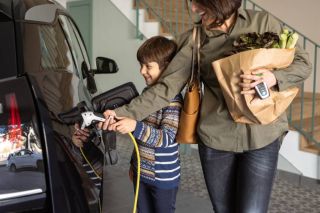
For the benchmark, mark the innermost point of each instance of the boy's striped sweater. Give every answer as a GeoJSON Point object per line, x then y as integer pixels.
{"type": "Point", "coordinates": [159, 151]}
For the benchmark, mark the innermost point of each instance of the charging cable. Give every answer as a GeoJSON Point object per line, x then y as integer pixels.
{"type": "Point", "coordinates": [138, 172]}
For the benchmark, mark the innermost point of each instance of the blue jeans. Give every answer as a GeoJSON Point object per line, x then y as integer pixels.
{"type": "Point", "coordinates": [156, 200]}
{"type": "Point", "coordinates": [240, 182]}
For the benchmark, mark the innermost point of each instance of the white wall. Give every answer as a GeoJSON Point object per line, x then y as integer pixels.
{"type": "Point", "coordinates": [303, 16]}
{"type": "Point", "coordinates": [114, 37]}
{"type": "Point", "coordinates": [304, 162]}
{"type": "Point", "coordinates": [63, 2]}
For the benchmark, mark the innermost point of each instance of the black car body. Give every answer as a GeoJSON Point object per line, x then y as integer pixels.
{"type": "Point", "coordinates": [43, 63]}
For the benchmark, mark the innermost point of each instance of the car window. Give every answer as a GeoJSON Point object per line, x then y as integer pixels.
{"type": "Point", "coordinates": [22, 175]}
{"type": "Point", "coordinates": [80, 41]}
{"type": "Point", "coordinates": [55, 51]}
{"type": "Point", "coordinates": [8, 63]}
{"type": "Point", "coordinates": [80, 58]}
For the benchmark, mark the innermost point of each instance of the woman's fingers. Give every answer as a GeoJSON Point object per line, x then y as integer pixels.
{"type": "Point", "coordinates": [260, 71]}
{"type": "Point", "coordinates": [247, 92]}
{"type": "Point", "coordinates": [251, 77]}
{"type": "Point", "coordinates": [250, 85]}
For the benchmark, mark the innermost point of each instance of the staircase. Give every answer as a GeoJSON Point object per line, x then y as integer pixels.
{"type": "Point", "coordinates": [302, 119]}
{"type": "Point", "coordinates": [173, 15]}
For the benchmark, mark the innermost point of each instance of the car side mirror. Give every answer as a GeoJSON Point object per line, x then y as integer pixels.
{"type": "Point", "coordinates": [106, 65]}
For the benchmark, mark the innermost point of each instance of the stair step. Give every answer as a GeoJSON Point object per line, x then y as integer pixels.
{"type": "Point", "coordinates": [306, 146]}
{"type": "Point", "coordinates": [174, 5]}
{"type": "Point", "coordinates": [174, 16]}
{"type": "Point", "coordinates": [306, 124]}
{"type": "Point", "coordinates": [173, 27]}
{"type": "Point", "coordinates": [307, 106]}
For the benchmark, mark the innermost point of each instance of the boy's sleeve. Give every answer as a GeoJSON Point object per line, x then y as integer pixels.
{"type": "Point", "coordinates": [171, 82]}
{"type": "Point", "coordinates": [298, 71]}
{"type": "Point", "coordinates": [166, 133]}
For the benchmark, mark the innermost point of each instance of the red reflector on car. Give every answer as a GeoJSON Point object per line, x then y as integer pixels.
{"type": "Point", "coordinates": [14, 123]}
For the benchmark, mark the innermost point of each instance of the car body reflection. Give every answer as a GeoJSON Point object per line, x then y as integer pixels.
{"type": "Point", "coordinates": [25, 159]}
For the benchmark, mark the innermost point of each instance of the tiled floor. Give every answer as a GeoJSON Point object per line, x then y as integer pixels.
{"type": "Point", "coordinates": [192, 195]}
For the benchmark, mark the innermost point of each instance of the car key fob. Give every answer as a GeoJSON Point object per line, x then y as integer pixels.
{"type": "Point", "coordinates": [262, 90]}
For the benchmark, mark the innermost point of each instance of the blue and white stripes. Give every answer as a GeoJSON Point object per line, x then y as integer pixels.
{"type": "Point", "coordinates": [160, 164]}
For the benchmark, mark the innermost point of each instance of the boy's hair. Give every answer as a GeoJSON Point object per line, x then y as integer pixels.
{"type": "Point", "coordinates": [157, 49]}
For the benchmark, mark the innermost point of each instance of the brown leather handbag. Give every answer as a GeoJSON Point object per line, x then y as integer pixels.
{"type": "Point", "coordinates": [189, 114]}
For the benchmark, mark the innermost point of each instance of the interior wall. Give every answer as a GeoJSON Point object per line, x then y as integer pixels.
{"type": "Point", "coordinates": [114, 37]}
{"type": "Point", "coordinates": [303, 162]}
{"type": "Point", "coordinates": [303, 16]}
{"type": "Point", "coordinates": [63, 2]}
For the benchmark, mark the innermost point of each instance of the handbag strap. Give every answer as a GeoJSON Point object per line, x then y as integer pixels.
{"type": "Point", "coordinates": [195, 73]}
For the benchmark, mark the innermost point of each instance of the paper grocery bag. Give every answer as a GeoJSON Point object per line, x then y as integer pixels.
{"type": "Point", "coordinates": [249, 108]}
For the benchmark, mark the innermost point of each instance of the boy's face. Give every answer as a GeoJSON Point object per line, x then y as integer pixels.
{"type": "Point", "coordinates": [151, 72]}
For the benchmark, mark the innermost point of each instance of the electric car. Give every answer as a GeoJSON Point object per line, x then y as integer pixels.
{"type": "Point", "coordinates": [44, 71]}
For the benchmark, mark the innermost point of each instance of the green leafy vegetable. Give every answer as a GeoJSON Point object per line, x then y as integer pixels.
{"type": "Point", "coordinates": [292, 40]}
{"type": "Point", "coordinates": [255, 40]}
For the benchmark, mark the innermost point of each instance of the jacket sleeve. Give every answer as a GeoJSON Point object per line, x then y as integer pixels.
{"type": "Point", "coordinates": [171, 82]}
{"type": "Point", "coordinates": [298, 71]}
{"type": "Point", "coordinates": [165, 134]}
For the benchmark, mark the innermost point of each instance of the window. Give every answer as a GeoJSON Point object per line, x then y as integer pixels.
{"type": "Point", "coordinates": [21, 159]}
{"type": "Point", "coordinates": [81, 57]}
{"type": "Point", "coordinates": [55, 51]}
{"type": "Point", "coordinates": [79, 39]}
{"type": "Point", "coordinates": [7, 50]}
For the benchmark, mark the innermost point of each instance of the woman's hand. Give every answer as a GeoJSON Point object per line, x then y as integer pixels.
{"type": "Point", "coordinates": [123, 125]}
{"type": "Point", "coordinates": [109, 116]}
{"type": "Point", "coordinates": [80, 136]}
{"type": "Point", "coordinates": [257, 76]}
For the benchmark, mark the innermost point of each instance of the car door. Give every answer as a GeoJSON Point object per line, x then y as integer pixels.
{"type": "Point", "coordinates": [21, 159]}
{"type": "Point", "coordinates": [28, 160]}
{"type": "Point", "coordinates": [24, 190]}
{"type": "Point", "coordinates": [52, 63]}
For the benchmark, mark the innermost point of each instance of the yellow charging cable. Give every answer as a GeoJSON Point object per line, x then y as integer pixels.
{"type": "Point", "coordinates": [87, 161]}
{"type": "Point", "coordinates": [138, 172]}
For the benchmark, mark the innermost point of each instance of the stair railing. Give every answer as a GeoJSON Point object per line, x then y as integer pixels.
{"type": "Point", "coordinates": [169, 13]}
{"type": "Point", "coordinates": [312, 48]}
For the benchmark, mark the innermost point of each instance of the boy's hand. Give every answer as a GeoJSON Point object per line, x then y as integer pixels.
{"type": "Point", "coordinates": [258, 76]}
{"type": "Point", "coordinates": [80, 136]}
{"type": "Point", "coordinates": [109, 116]}
{"type": "Point", "coordinates": [123, 125]}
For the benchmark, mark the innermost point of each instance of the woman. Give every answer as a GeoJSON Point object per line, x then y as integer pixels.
{"type": "Point", "coordinates": [238, 160]}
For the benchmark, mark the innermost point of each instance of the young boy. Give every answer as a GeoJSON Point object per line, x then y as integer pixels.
{"type": "Point", "coordinates": [155, 135]}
